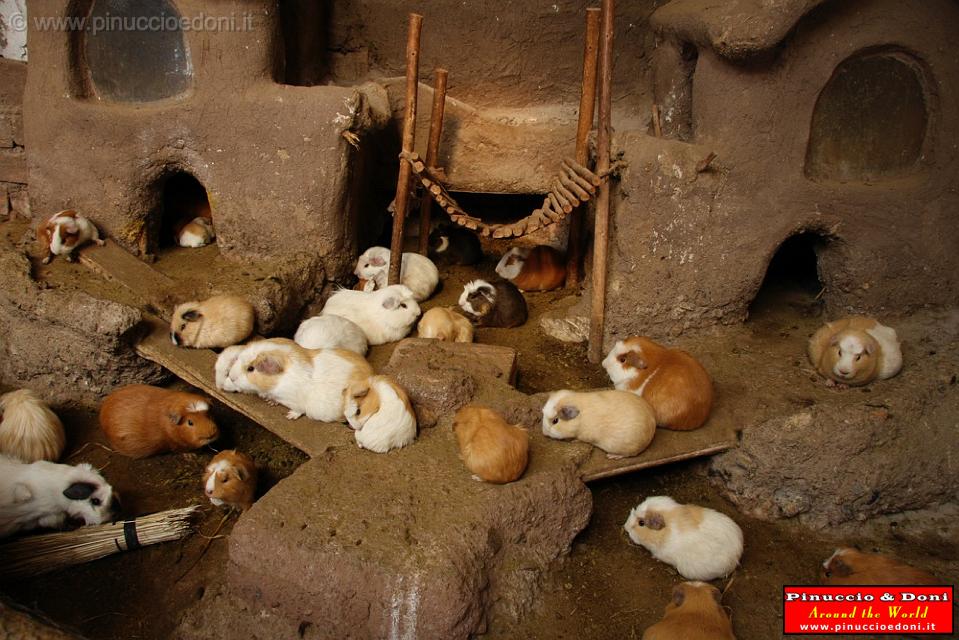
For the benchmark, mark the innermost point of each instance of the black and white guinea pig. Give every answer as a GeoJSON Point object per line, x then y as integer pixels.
{"type": "Point", "coordinates": [497, 304]}
{"type": "Point", "coordinates": [452, 244]}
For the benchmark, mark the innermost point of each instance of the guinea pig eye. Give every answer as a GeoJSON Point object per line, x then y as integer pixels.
{"type": "Point", "coordinates": [250, 368]}
{"type": "Point", "coordinates": [95, 502]}
{"type": "Point", "coordinates": [622, 358]}
{"type": "Point", "coordinates": [189, 423]}
{"type": "Point", "coordinates": [828, 574]}
{"type": "Point", "coordinates": [555, 420]}
{"type": "Point", "coordinates": [858, 357]}
{"type": "Point", "coordinates": [642, 522]}
{"type": "Point", "coordinates": [403, 305]}
{"type": "Point", "coordinates": [183, 326]}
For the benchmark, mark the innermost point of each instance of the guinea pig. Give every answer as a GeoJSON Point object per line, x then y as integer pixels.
{"type": "Point", "coordinates": [230, 480]}
{"type": "Point", "coordinates": [442, 323]}
{"type": "Point", "coordinates": [700, 543]}
{"type": "Point", "coordinates": [364, 285]}
{"type": "Point", "coordinates": [385, 315]}
{"type": "Point", "coordinates": [695, 612]}
{"type": "Point", "coordinates": [491, 448]}
{"type": "Point", "coordinates": [194, 233]}
{"type": "Point", "coordinates": [305, 381]}
{"type": "Point", "coordinates": [452, 244]}
{"type": "Point", "coordinates": [670, 380]}
{"type": "Point", "coordinates": [855, 351]}
{"type": "Point", "coordinates": [63, 233]}
{"type": "Point", "coordinates": [45, 494]}
{"type": "Point", "coordinates": [224, 362]}
{"type": "Point", "coordinates": [331, 332]}
{"type": "Point", "coordinates": [499, 304]}
{"type": "Point", "coordinates": [620, 423]}
{"type": "Point", "coordinates": [851, 566]}
{"type": "Point", "coordinates": [539, 268]}
{"type": "Point", "coordinates": [380, 413]}
{"type": "Point", "coordinates": [140, 421]}
{"type": "Point", "coordinates": [416, 271]}
{"type": "Point", "coordinates": [220, 321]}
{"type": "Point", "coordinates": [29, 430]}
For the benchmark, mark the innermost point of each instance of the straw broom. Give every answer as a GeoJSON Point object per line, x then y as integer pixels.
{"type": "Point", "coordinates": [34, 555]}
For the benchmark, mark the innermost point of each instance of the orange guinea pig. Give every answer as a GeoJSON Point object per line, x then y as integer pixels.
{"type": "Point", "coordinates": [850, 566]}
{"type": "Point", "coordinates": [494, 450]}
{"type": "Point", "coordinates": [230, 480]}
{"type": "Point", "coordinates": [539, 268]}
{"type": "Point", "coordinates": [694, 613]}
{"type": "Point", "coordinates": [140, 421]}
{"type": "Point", "coordinates": [670, 380]}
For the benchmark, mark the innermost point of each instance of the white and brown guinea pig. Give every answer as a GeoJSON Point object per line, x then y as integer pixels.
{"type": "Point", "coordinates": [220, 321]}
{"type": "Point", "coordinates": [380, 413]}
{"type": "Point", "coordinates": [498, 304]}
{"type": "Point", "coordinates": [445, 324]}
{"type": "Point", "coordinates": [29, 429]}
{"type": "Point", "coordinates": [851, 566]}
{"type": "Point", "coordinates": [539, 268]}
{"type": "Point", "coordinates": [702, 544]}
{"type": "Point", "coordinates": [494, 450]}
{"type": "Point", "coordinates": [63, 233]}
{"type": "Point", "coordinates": [695, 612]}
{"type": "Point", "coordinates": [194, 233]}
{"type": "Point", "coordinates": [140, 420]}
{"type": "Point", "coordinates": [672, 381]}
{"type": "Point", "coordinates": [855, 351]}
{"type": "Point", "coordinates": [230, 480]}
{"type": "Point", "coordinates": [620, 423]}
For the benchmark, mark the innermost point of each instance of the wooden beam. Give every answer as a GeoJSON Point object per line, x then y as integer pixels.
{"type": "Point", "coordinates": [432, 151]}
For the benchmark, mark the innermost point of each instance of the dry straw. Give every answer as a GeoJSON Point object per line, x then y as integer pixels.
{"type": "Point", "coordinates": [40, 554]}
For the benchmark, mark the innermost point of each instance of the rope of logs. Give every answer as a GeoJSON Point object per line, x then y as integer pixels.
{"type": "Point", "coordinates": [573, 185]}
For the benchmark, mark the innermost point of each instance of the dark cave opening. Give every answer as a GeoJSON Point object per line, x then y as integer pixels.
{"type": "Point", "coordinates": [792, 279]}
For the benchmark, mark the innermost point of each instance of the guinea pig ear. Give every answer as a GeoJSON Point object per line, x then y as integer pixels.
{"type": "Point", "coordinates": [175, 417]}
{"type": "Point", "coordinates": [362, 392]}
{"type": "Point", "coordinates": [870, 348]}
{"type": "Point", "coordinates": [390, 303]}
{"type": "Point", "coordinates": [635, 360]}
{"type": "Point", "coordinates": [241, 473]}
{"type": "Point", "coordinates": [268, 365]}
{"type": "Point", "coordinates": [834, 341]}
{"type": "Point", "coordinates": [191, 315]}
{"type": "Point", "coordinates": [654, 520]}
{"type": "Point", "coordinates": [679, 595]}
{"type": "Point", "coordinates": [377, 261]}
{"type": "Point", "coordinates": [79, 490]}
{"type": "Point", "coordinates": [568, 412]}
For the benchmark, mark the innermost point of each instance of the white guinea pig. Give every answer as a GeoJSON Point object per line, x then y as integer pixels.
{"type": "Point", "coordinates": [380, 413]}
{"type": "Point", "coordinates": [385, 315]}
{"type": "Point", "coordinates": [220, 321]}
{"type": "Point", "coordinates": [856, 351]}
{"type": "Point", "coordinates": [45, 494]}
{"type": "Point", "coordinates": [416, 271]}
{"type": "Point", "coordinates": [700, 543]}
{"type": "Point", "coordinates": [29, 430]}
{"type": "Point", "coordinates": [64, 232]}
{"type": "Point", "coordinates": [224, 362]}
{"type": "Point", "coordinates": [618, 422]}
{"type": "Point", "coordinates": [331, 332]}
{"type": "Point", "coordinates": [198, 232]}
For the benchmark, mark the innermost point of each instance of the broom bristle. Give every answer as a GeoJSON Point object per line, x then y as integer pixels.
{"type": "Point", "coordinates": [43, 553]}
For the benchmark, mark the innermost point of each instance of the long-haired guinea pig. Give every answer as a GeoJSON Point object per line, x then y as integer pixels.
{"type": "Point", "coordinates": [140, 420]}
{"type": "Point", "coordinates": [499, 304]}
{"type": "Point", "coordinates": [620, 423]}
{"type": "Point", "coordinates": [855, 351]}
{"type": "Point", "coordinates": [385, 315]}
{"type": "Point", "coordinates": [851, 566]}
{"type": "Point", "coordinates": [63, 233]}
{"type": "Point", "coordinates": [416, 271]}
{"type": "Point", "coordinates": [695, 612]}
{"type": "Point", "coordinates": [380, 413]}
{"type": "Point", "coordinates": [452, 244]}
{"type": "Point", "coordinates": [230, 480]}
{"type": "Point", "coordinates": [194, 233]}
{"type": "Point", "coordinates": [220, 321]}
{"type": "Point", "coordinates": [700, 543]}
{"type": "Point", "coordinates": [491, 448]}
{"type": "Point", "coordinates": [331, 332]}
{"type": "Point", "coordinates": [29, 430]}
{"type": "Point", "coordinates": [45, 494]}
{"type": "Point", "coordinates": [539, 268]}
{"type": "Point", "coordinates": [306, 381]}
{"type": "Point", "coordinates": [670, 380]}
{"type": "Point", "coordinates": [442, 323]}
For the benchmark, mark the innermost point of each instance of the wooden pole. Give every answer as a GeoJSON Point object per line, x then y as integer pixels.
{"type": "Point", "coordinates": [432, 151]}
{"type": "Point", "coordinates": [587, 104]}
{"type": "Point", "coordinates": [597, 319]}
{"type": "Point", "coordinates": [409, 134]}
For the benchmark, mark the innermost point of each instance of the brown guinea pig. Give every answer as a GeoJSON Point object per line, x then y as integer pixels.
{"type": "Point", "coordinates": [851, 566]}
{"type": "Point", "coordinates": [140, 421]}
{"type": "Point", "coordinates": [230, 480]}
{"type": "Point", "coordinates": [221, 321]}
{"type": "Point", "coordinates": [539, 268]}
{"type": "Point", "coordinates": [494, 450]}
{"type": "Point", "coordinates": [670, 380]}
{"type": "Point", "coordinates": [446, 325]}
{"type": "Point", "coordinates": [694, 613]}
{"type": "Point", "coordinates": [855, 351]}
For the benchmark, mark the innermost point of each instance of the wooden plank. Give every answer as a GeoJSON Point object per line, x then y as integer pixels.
{"type": "Point", "coordinates": [116, 264]}
{"type": "Point", "coordinates": [196, 367]}
{"type": "Point", "coordinates": [501, 359]}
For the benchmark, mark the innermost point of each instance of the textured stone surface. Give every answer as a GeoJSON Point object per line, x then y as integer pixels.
{"type": "Point", "coordinates": [16, 625]}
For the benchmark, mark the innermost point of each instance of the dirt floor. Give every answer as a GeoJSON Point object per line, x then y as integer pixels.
{"type": "Point", "coordinates": [606, 588]}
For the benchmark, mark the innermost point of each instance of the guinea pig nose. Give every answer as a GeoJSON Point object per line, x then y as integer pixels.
{"type": "Point", "coordinates": [209, 492]}
{"type": "Point", "coordinates": [843, 372]}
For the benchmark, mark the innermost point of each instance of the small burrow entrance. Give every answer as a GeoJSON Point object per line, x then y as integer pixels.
{"type": "Point", "coordinates": [792, 283]}
{"type": "Point", "coordinates": [180, 199]}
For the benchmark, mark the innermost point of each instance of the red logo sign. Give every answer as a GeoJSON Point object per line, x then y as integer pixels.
{"type": "Point", "coordinates": [893, 610]}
